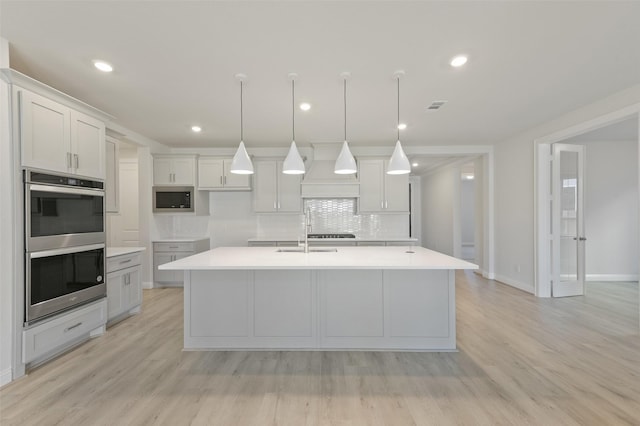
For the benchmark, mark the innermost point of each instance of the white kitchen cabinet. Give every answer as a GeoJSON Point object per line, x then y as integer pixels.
{"type": "Point", "coordinates": [124, 285]}
{"type": "Point", "coordinates": [275, 192]}
{"type": "Point", "coordinates": [380, 192]}
{"type": "Point", "coordinates": [169, 251]}
{"type": "Point", "coordinates": [58, 138]}
{"type": "Point", "coordinates": [174, 170]}
{"type": "Point", "coordinates": [214, 174]}
{"type": "Point", "coordinates": [55, 335]}
{"type": "Point", "coordinates": [112, 194]}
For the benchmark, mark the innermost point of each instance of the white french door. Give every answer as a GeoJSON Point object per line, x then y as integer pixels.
{"type": "Point", "coordinates": [567, 220]}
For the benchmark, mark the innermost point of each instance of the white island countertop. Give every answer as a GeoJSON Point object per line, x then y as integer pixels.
{"type": "Point", "coordinates": [119, 251]}
{"type": "Point", "coordinates": [231, 258]}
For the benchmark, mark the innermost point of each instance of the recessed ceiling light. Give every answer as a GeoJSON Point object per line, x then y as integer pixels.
{"type": "Point", "coordinates": [414, 164]}
{"type": "Point", "coordinates": [305, 106]}
{"type": "Point", "coordinates": [103, 66]}
{"type": "Point", "coordinates": [459, 61]}
{"type": "Point", "coordinates": [402, 126]}
{"type": "Point", "coordinates": [196, 129]}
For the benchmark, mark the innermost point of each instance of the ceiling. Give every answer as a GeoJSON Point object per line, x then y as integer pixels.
{"type": "Point", "coordinates": [175, 63]}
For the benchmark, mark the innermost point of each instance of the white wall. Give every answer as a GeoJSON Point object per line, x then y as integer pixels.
{"type": "Point", "coordinates": [7, 248]}
{"type": "Point", "coordinates": [440, 206]}
{"type": "Point", "coordinates": [514, 186]}
{"type": "Point", "coordinates": [611, 211]}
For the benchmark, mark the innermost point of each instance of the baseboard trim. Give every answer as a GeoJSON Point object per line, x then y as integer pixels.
{"type": "Point", "coordinates": [5, 376]}
{"type": "Point", "coordinates": [611, 277]}
{"type": "Point", "coordinates": [516, 284]}
{"type": "Point", "coordinates": [487, 275]}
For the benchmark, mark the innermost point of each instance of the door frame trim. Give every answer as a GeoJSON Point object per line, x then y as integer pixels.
{"type": "Point", "coordinates": [542, 169]}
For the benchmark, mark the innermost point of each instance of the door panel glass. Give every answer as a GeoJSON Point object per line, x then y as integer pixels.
{"type": "Point", "coordinates": [568, 215]}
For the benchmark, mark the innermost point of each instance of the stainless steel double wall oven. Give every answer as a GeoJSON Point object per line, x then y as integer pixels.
{"type": "Point", "coordinates": [64, 243]}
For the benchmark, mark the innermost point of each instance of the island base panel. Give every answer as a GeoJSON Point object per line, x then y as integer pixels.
{"type": "Point", "coordinates": [320, 309]}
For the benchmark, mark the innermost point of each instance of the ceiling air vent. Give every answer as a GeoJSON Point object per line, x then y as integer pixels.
{"type": "Point", "coordinates": [436, 105]}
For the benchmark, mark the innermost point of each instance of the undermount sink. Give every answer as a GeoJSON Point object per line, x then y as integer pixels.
{"type": "Point", "coordinates": [311, 250]}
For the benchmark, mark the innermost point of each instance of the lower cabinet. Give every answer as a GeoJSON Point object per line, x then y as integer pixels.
{"type": "Point", "coordinates": [165, 252]}
{"type": "Point", "coordinates": [124, 286]}
{"type": "Point", "coordinates": [47, 339]}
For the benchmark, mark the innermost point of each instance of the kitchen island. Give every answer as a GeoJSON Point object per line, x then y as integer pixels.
{"type": "Point", "coordinates": [371, 298]}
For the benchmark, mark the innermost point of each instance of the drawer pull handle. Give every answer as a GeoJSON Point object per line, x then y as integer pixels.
{"type": "Point", "coordinates": [72, 327]}
{"type": "Point", "coordinates": [125, 261]}
{"type": "Point", "coordinates": [173, 247]}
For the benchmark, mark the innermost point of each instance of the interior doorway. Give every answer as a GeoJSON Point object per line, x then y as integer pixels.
{"type": "Point", "coordinates": [123, 219]}
{"type": "Point", "coordinates": [611, 193]}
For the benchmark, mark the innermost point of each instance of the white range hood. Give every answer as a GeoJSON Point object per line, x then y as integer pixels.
{"type": "Point", "coordinates": [321, 182]}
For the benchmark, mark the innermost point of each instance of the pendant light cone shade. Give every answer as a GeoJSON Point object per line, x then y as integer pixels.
{"type": "Point", "coordinates": [241, 163]}
{"type": "Point", "coordinates": [399, 163]}
{"type": "Point", "coordinates": [293, 164]}
{"type": "Point", "coordinates": [345, 164]}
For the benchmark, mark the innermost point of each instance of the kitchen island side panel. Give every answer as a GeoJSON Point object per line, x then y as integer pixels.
{"type": "Point", "coordinates": [320, 309]}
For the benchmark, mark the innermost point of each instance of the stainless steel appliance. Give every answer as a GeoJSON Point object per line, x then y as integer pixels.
{"type": "Point", "coordinates": [62, 278]}
{"type": "Point", "coordinates": [62, 211]}
{"type": "Point", "coordinates": [64, 243]}
{"type": "Point", "coordinates": [172, 199]}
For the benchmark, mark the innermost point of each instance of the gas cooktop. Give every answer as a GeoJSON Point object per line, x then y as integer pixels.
{"type": "Point", "coordinates": [331, 235]}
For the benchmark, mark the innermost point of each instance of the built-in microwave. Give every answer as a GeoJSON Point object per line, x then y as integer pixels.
{"type": "Point", "coordinates": [172, 199]}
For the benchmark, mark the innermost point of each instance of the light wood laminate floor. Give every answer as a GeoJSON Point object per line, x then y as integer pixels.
{"type": "Point", "coordinates": [581, 368]}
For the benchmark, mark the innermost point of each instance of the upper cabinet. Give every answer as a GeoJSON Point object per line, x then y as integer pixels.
{"type": "Point", "coordinates": [274, 191]}
{"type": "Point", "coordinates": [380, 192]}
{"type": "Point", "coordinates": [174, 170]}
{"type": "Point", "coordinates": [214, 175]}
{"type": "Point", "coordinates": [57, 138]}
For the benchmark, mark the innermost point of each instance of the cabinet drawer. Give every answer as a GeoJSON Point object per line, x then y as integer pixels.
{"type": "Point", "coordinates": [173, 247]}
{"type": "Point", "coordinates": [56, 333]}
{"type": "Point", "coordinates": [116, 263]}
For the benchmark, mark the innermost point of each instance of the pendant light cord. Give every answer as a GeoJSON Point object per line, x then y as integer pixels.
{"type": "Point", "coordinates": [345, 109]}
{"type": "Point", "coordinates": [293, 109]}
{"type": "Point", "coordinates": [241, 109]}
{"type": "Point", "coordinates": [398, 125]}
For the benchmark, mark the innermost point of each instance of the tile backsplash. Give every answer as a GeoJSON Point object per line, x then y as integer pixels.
{"type": "Point", "coordinates": [232, 221]}
{"type": "Point", "coordinates": [335, 215]}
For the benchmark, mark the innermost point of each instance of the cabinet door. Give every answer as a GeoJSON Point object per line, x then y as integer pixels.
{"type": "Point", "coordinates": [371, 185]}
{"type": "Point", "coordinates": [44, 133]}
{"type": "Point", "coordinates": [232, 180]}
{"type": "Point", "coordinates": [159, 275]}
{"type": "Point", "coordinates": [265, 187]}
{"type": "Point", "coordinates": [162, 174]}
{"type": "Point", "coordinates": [87, 145]}
{"type": "Point", "coordinates": [184, 171]}
{"type": "Point", "coordinates": [115, 293]}
{"type": "Point", "coordinates": [111, 192]}
{"type": "Point", "coordinates": [396, 190]}
{"type": "Point", "coordinates": [289, 197]}
{"type": "Point", "coordinates": [210, 173]}
{"type": "Point", "coordinates": [134, 288]}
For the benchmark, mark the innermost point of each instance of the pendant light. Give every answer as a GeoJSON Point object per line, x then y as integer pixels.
{"type": "Point", "coordinates": [293, 164]}
{"type": "Point", "coordinates": [241, 163]}
{"type": "Point", "coordinates": [398, 163]}
{"type": "Point", "coordinates": [345, 164]}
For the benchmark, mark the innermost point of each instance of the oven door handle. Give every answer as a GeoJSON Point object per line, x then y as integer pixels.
{"type": "Point", "coordinates": [67, 250]}
{"type": "Point", "coordinates": [65, 190]}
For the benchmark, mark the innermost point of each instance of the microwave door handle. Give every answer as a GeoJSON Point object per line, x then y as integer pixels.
{"type": "Point", "coordinates": [64, 190]}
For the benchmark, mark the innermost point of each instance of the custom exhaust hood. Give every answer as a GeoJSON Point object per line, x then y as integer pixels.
{"type": "Point", "coordinates": [321, 182]}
